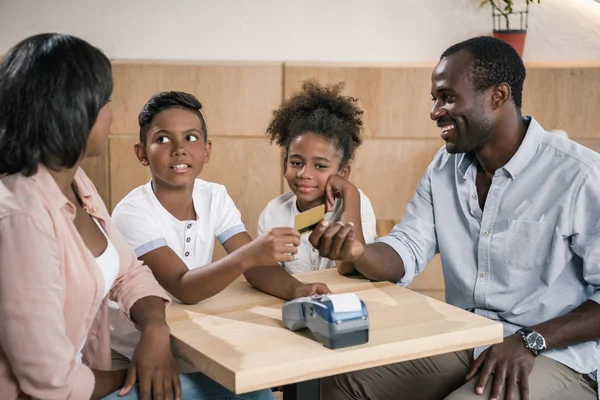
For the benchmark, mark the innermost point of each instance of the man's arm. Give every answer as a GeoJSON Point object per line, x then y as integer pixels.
{"type": "Point", "coordinates": [579, 326]}
{"type": "Point", "coordinates": [380, 262]}
{"type": "Point", "coordinates": [397, 257]}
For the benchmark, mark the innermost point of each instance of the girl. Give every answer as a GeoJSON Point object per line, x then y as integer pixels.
{"type": "Point", "coordinates": [318, 130]}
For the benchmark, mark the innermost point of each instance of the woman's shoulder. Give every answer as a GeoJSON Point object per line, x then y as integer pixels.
{"type": "Point", "coordinates": [30, 196]}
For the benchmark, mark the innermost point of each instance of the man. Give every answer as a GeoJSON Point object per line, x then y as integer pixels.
{"type": "Point", "coordinates": [514, 212]}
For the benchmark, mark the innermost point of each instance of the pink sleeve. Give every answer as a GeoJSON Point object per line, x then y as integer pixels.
{"type": "Point", "coordinates": [33, 333]}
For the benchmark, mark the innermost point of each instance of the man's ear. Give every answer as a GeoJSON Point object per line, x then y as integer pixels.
{"type": "Point", "coordinates": [140, 152]}
{"type": "Point", "coordinates": [501, 94]}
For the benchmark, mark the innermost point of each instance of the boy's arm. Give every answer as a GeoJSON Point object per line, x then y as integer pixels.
{"type": "Point", "coordinates": [192, 286]}
{"type": "Point", "coordinates": [273, 279]}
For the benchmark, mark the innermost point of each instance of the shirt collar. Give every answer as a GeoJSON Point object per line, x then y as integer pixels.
{"type": "Point", "coordinates": [85, 191]}
{"type": "Point", "coordinates": [465, 161]}
{"type": "Point", "coordinates": [526, 151]}
{"type": "Point", "coordinates": [48, 186]}
{"type": "Point", "coordinates": [519, 160]}
{"type": "Point", "coordinates": [55, 196]}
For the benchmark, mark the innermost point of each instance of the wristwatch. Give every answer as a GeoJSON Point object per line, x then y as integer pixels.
{"type": "Point", "coordinates": [533, 341]}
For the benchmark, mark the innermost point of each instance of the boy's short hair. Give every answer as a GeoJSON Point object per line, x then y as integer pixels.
{"type": "Point", "coordinates": [52, 87]}
{"type": "Point", "coordinates": [323, 111]}
{"type": "Point", "coordinates": [164, 101]}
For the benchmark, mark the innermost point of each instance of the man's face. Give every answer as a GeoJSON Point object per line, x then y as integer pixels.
{"type": "Point", "coordinates": [458, 109]}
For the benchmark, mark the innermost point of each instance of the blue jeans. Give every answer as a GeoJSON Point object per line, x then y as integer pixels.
{"type": "Point", "coordinates": [197, 386]}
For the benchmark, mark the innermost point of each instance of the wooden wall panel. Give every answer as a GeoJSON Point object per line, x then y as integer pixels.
{"type": "Point", "coordinates": [126, 172]}
{"type": "Point", "coordinates": [237, 99]}
{"type": "Point", "coordinates": [388, 170]}
{"type": "Point", "coordinates": [98, 171]}
{"type": "Point", "coordinates": [593, 144]}
{"type": "Point", "coordinates": [564, 98]}
{"type": "Point", "coordinates": [396, 100]}
{"type": "Point", "coordinates": [250, 169]}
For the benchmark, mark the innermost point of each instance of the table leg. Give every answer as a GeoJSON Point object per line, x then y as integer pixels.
{"type": "Point", "coordinates": [307, 390]}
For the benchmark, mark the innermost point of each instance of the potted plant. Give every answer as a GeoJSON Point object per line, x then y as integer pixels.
{"type": "Point", "coordinates": [503, 13]}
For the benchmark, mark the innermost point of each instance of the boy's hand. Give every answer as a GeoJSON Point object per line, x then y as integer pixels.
{"type": "Point", "coordinates": [276, 245]}
{"type": "Point", "coordinates": [336, 241]}
{"type": "Point", "coordinates": [337, 187]}
{"type": "Point", "coordinates": [310, 289]}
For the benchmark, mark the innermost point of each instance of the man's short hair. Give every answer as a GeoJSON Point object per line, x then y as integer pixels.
{"type": "Point", "coordinates": [494, 62]}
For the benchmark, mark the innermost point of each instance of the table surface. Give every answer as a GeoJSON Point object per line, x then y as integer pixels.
{"type": "Point", "coordinates": [238, 339]}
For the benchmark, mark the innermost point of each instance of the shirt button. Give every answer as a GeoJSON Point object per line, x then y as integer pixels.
{"type": "Point", "coordinates": [189, 226]}
{"type": "Point", "coordinates": [482, 274]}
{"type": "Point", "coordinates": [473, 196]}
{"type": "Point", "coordinates": [187, 253]}
{"type": "Point", "coordinates": [485, 233]}
{"type": "Point", "coordinates": [188, 240]}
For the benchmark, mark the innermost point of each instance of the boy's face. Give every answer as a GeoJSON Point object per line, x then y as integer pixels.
{"type": "Point", "coordinates": [311, 160]}
{"type": "Point", "coordinates": [175, 148]}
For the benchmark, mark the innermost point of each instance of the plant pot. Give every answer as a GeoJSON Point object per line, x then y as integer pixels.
{"type": "Point", "coordinates": [516, 38]}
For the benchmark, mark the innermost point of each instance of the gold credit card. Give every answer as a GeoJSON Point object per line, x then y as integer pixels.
{"type": "Point", "coordinates": [308, 220]}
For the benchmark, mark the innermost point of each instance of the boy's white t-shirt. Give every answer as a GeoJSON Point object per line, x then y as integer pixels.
{"type": "Point", "coordinates": [146, 225]}
{"type": "Point", "coordinates": [281, 211]}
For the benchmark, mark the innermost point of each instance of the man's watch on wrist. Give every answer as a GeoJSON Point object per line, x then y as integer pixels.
{"type": "Point", "coordinates": [533, 341]}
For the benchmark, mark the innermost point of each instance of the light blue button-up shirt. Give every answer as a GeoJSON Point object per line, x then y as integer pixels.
{"type": "Point", "coordinates": [532, 254]}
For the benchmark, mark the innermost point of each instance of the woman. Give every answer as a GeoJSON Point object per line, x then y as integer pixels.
{"type": "Point", "coordinates": [61, 259]}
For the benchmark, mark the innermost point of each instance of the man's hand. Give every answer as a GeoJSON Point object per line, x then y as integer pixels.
{"type": "Point", "coordinates": [310, 289]}
{"type": "Point", "coordinates": [153, 366]}
{"type": "Point", "coordinates": [508, 364]}
{"type": "Point", "coordinates": [336, 241]}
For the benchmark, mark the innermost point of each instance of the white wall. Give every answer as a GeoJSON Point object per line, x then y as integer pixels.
{"type": "Point", "coordinates": [297, 30]}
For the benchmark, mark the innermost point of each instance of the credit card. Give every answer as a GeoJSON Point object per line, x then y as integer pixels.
{"type": "Point", "coordinates": [308, 220]}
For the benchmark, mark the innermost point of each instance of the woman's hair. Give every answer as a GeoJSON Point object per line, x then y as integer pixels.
{"type": "Point", "coordinates": [164, 101]}
{"type": "Point", "coordinates": [321, 110]}
{"type": "Point", "coordinates": [52, 87]}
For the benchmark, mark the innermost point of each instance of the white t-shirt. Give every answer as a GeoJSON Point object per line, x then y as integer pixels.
{"type": "Point", "coordinates": [109, 265]}
{"type": "Point", "coordinates": [146, 225]}
{"type": "Point", "coordinates": [280, 212]}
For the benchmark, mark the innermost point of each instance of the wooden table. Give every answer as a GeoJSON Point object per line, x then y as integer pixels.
{"type": "Point", "coordinates": [238, 339]}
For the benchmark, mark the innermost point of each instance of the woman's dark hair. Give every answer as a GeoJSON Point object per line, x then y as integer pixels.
{"type": "Point", "coordinates": [164, 101]}
{"type": "Point", "coordinates": [321, 110]}
{"type": "Point", "coordinates": [52, 87]}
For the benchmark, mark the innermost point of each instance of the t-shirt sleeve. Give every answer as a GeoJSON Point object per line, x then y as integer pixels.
{"type": "Point", "coordinates": [139, 227]}
{"type": "Point", "coordinates": [367, 216]}
{"type": "Point", "coordinates": [262, 222]}
{"type": "Point", "coordinates": [228, 218]}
